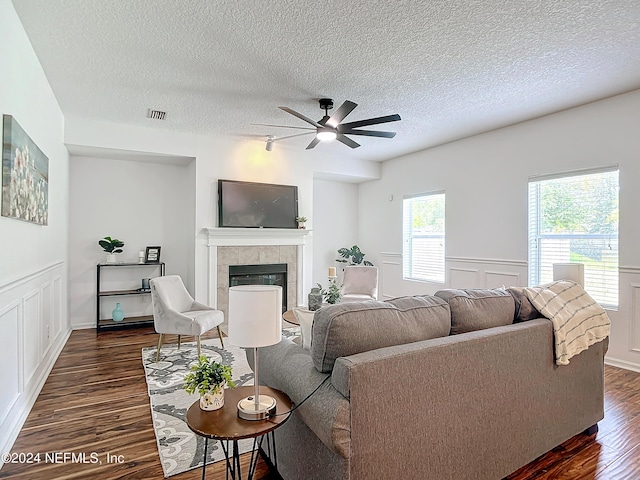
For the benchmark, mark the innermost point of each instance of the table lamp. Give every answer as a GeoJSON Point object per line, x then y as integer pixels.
{"type": "Point", "coordinates": [569, 271]}
{"type": "Point", "coordinates": [255, 320]}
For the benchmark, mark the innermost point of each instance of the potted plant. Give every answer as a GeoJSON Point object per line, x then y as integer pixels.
{"type": "Point", "coordinates": [208, 378]}
{"type": "Point", "coordinates": [332, 293]}
{"type": "Point", "coordinates": [112, 246]}
{"type": "Point", "coordinates": [353, 256]}
{"type": "Point", "coordinates": [301, 221]}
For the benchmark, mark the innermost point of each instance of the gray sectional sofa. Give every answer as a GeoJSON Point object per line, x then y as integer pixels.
{"type": "Point", "coordinates": [461, 385]}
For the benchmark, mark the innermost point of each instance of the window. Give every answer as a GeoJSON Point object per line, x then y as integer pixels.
{"type": "Point", "coordinates": [423, 237]}
{"type": "Point", "coordinates": [575, 219]}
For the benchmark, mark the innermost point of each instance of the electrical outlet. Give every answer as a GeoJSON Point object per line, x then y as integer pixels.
{"type": "Point", "coordinates": [47, 332]}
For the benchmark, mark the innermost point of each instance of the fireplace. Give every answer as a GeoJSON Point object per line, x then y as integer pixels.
{"type": "Point", "coordinates": [263, 274]}
{"type": "Point", "coordinates": [258, 246]}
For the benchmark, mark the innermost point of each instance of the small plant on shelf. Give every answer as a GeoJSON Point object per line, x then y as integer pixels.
{"type": "Point", "coordinates": [301, 221]}
{"type": "Point", "coordinates": [353, 256]}
{"type": "Point", "coordinates": [112, 246]}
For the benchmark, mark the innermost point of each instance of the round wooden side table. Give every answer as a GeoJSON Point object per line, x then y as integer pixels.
{"type": "Point", "coordinates": [290, 317]}
{"type": "Point", "coordinates": [225, 425]}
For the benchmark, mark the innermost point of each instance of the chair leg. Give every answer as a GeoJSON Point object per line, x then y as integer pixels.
{"type": "Point", "coordinates": [220, 335]}
{"type": "Point", "coordinates": [178, 342]}
{"type": "Point", "coordinates": [159, 345]}
{"type": "Point", "coordinates": [198, 340]}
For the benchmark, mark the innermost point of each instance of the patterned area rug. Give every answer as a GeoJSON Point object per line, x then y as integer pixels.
{"type": "Point", "coordinates": [179, 448]}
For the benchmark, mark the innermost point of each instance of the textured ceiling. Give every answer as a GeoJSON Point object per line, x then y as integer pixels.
{"type": "Point", "coordinates": [450, 68]}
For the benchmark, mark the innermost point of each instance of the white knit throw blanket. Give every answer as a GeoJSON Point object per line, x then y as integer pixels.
{"type": "Point", "coordinates": [578, 321]}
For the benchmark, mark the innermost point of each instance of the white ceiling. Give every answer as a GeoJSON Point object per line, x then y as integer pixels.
{"type": "Point", "coordinates": [450, 68]}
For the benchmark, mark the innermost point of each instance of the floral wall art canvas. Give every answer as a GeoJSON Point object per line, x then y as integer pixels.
{"type": "Point", "coordinates": [25, 175]}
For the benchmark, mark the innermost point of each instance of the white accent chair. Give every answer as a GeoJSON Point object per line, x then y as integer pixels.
{"type": "Point", "coordinates": [176, 312]}
{"type": "Point", "coordinates": [359, 283]}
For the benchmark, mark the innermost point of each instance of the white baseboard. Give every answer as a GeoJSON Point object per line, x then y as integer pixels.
{"type": "Point", "coordinates": [83, 326]}
{"type": "Point", "coordinates": [21, 409]}
{"type": "Point", "coordinates": [614, 362]}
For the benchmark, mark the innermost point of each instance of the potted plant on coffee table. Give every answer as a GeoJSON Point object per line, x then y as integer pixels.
{"type": "Point", "coordinates": [208, 378]}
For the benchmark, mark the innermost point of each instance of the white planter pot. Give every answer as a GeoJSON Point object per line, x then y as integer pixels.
{"type": "Point", "coordinates": [112, 258]}
{"type": "Point", "coordinates": [212, 401]}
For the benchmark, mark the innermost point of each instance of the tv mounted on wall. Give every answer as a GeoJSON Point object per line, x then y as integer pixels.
{"type": "Point", "coordinates": [257, 205]}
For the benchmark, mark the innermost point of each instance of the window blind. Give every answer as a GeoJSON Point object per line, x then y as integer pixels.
{"type": "Point", "coordinates": [575, 219]}
{"type": "Point", "coordinates": [424, 237]}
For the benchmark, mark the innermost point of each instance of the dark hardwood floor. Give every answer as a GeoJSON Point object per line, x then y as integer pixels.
{"type": "Point", "coordinates": [95, 400]}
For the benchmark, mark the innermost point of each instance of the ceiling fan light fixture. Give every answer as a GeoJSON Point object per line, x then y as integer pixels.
{"type": "Point", "coordinates": [326, 135]}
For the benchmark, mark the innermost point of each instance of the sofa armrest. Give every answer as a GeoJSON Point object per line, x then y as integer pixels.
{"type": "Point", "coordinates": [288, 367]}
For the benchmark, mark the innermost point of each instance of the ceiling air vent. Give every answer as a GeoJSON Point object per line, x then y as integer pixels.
{"type": "Point", "coordinates": [156, 114]}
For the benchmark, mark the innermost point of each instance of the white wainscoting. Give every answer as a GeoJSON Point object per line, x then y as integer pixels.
{"type": "Point", "coordinates": [460, 272]}
{"type": "Point", "coordinates": [33, 330]}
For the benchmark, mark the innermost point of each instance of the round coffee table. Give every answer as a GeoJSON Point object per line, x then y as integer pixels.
{"type": "Point", "coordinates": [225, 425]}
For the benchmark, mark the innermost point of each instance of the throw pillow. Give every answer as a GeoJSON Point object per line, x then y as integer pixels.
{"type": "Point", "coordinates": [305, 319]}
{"type": "Point", "coordinates": [578, 321]}
{"type": "Point", "coordinates": [524, 308]}
{"type": "Point", "coordinates": [477, 309]}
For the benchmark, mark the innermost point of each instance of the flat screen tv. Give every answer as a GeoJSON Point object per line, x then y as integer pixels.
{"type": "Point", "coordinates": [257, 205]}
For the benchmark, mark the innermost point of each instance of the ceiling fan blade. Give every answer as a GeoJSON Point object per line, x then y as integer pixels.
{"type": "Point", "coordinates": [300, 116]}
{"type": "Point", "coordinates": [313, 143]}
{"type": "Point", "coordinates": [276, 139]}
{"type": "Point", "coordinates": [345, 109]}
{"type": "Point", "coordinates": [347, 141]}
{"type": "Point", "coordinates": [368, 133]}
{"type": "Point", "coordinates": [372, 121]}
{"type": "Point", "coordinates": [283, 126]}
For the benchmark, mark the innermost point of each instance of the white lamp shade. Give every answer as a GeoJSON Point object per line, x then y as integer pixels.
{"type": "Point", "coordinates": [569, 271]}
{"type": "Point", "coordinates": [255, 315]}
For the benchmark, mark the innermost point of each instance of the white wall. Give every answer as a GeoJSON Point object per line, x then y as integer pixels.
{"type": "Point", "coordinates": [33, 265]}
{"type": "Point", "coordinates": [140, 203]}
{"type": "Point", "coordinates": [335, 224]}
{"type": "Point", "coordinates": [485, 179]}
{"type": "Point", "coordinates": [229, 158]}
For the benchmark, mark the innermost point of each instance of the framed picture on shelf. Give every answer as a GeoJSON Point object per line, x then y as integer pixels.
{"type": "Point", "coordinates": [152, 255]}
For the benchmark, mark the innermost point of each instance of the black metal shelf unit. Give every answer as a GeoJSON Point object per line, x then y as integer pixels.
{"type": "Point", "coordinates": [127, 322]}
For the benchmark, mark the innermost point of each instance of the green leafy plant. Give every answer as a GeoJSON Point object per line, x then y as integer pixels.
{"type": "Point", "coordinates": [111, 245]}
{"type": "Point", "coordinates": [332, 293]}
{"type": "Point", "coordinates": [207, 376]}
{"type": "Point", "coordinates": [301, 219]}
{"type": "Point", "coordinates": [353, 256]}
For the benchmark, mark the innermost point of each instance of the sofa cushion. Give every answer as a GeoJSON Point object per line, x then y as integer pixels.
{"type": "Point", "coordinates": [524, 308]}
{"type": "Point", "coordinates": [477, 309]}
{"type": "Point", "coordinates": [349, 328]}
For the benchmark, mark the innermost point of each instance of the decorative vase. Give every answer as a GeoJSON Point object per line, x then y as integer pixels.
{"type": "Point", "coordinates": [117, 314]}
{"type": "Point", "coordinates": [212, 400]}
{"type": "Point", "coordinates": [112, 258]}
{"type": "Point", "coordinates": [315, 299]}
{"type": "Point", "coordinates": [301, 225]}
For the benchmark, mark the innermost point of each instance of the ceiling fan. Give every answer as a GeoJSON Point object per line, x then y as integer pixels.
{"type": "Point", "coordinates": [330, 127]}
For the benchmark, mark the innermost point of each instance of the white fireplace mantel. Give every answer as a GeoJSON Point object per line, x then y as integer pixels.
{"type": "Point", "coordinates": [241, 237]}
{"type": "Point", "coordinates": [221, 237]}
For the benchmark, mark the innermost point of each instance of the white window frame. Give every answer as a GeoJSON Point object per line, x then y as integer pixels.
{"type": "Point", "coordinates": [433, 270]}
{"type": "Point", "coordinates": [608, 295]}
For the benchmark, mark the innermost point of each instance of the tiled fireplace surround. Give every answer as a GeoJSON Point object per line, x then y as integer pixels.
{"type": "Point", "coordinates": [248, 246]}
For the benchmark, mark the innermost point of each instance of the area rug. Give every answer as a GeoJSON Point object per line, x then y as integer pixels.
{"type": "Point", "coordinates": [179, 448]}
